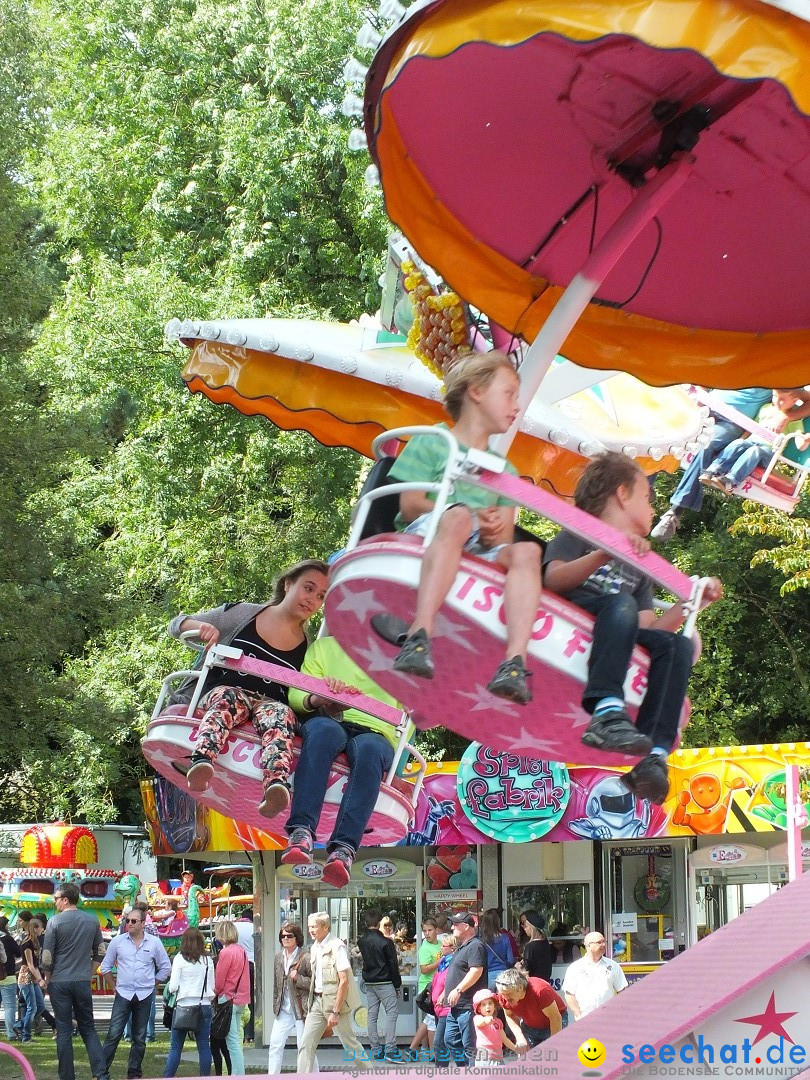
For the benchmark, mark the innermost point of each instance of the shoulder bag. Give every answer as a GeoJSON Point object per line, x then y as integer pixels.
{"type": "Point", "coordinates": [424, 1001]}
{"type": "Point", "coordinates": [187, 1017]}
{"type": "Point", "coordinates": [223, 1012]}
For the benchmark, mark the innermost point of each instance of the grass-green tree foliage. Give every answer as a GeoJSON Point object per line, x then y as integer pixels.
{"type": "Point", "coordinates": [192, 160]}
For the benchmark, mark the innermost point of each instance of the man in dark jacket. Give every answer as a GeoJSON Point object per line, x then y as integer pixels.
{"type": "Point", "coordinates": [382, 982]}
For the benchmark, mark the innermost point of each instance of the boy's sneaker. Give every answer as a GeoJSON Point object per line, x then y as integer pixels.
{"type": "Point", "coordinates": [338, 867]}
{"type": "Point", "coordinates": [414, 658]}
{"type": "Point", "coordinates": [723, 483]}
{"type": "Point", "coordinates": [299, 848]}
{"type": "Point", "coordinates": [276, 800]}
{"type": "Point", "coordinates": [509, 681]}
{"type": "Point", "coordinates": [200, 774]}
{"type": "Point", "coordinates": [667, 526]}
{"type": "Point", "coordinates": [649, 779]}
{"type": "Point", "coordinates": [615, 730]}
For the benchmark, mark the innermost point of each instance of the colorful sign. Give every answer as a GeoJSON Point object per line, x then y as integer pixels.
{"type": "Point", "coordinates": [512, 797]}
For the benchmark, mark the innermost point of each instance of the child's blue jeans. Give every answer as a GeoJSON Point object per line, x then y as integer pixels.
{"type": "Point", "coordinates": [616, 633]}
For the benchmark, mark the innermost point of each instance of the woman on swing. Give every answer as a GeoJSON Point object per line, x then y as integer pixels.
{"type": "Point", "coordinates": [273, 632]}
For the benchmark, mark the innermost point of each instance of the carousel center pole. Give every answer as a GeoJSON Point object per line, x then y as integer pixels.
{"type": "Point", "coordinates": [586, 282]}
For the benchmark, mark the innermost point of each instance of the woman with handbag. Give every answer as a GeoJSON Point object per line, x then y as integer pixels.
{"type": "Point", "coordinates": [232, 990]}
{"type": "Point", "coordinates": [292, 975]}
{"type": "Point", "coordinates": [192, 980]}
{"type": "Point", "coordinates": [496, 941]}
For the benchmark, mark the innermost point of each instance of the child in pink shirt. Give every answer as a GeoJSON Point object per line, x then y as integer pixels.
{"type": "Point", "coordinates": [490, 1037]}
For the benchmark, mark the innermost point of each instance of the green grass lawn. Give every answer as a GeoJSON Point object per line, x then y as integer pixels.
{"type": "Point", "coordinates": [41, 1053]}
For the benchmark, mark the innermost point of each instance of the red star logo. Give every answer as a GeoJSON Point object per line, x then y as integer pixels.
{"type": "Point", "coordinates": [769, 1021]}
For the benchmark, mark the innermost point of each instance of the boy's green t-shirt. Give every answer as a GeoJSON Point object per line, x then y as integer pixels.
{"type": "Point", "coordinates": [423, 460]}
{"type": "Point", "coordinates": [428, 954]}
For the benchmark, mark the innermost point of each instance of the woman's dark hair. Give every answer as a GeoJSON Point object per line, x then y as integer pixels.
{"type": "Point", "coordinates": [602, 479]}
{"type": "Point", "coordinates": [294, 929]}
{"type": "Point", "coordinates": [489, 925]}
{"type": "Point", "coordinates": [192, 945]}
{"type": "Point", "coordinates": [293, 574]}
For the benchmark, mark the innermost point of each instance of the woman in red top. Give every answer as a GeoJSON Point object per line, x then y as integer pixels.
{"type": "Point", "coordinates": [232, 983]}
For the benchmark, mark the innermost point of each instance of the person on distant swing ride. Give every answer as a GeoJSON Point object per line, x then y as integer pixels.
{"type": "Point", "coordinates": [614, 489]}
{"type": "Point", "coordinates": [742, 456]}
{"type": "Point", "coordinates": [481, 398]}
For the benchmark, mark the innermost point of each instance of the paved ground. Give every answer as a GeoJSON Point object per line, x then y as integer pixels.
{"type": "Point", "coordinates": [330, 1057]}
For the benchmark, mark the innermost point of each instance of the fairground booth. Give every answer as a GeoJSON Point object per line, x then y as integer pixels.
{"type": "Point", "coordinates": [514, 831]}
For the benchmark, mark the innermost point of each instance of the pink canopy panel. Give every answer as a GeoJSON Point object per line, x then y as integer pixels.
{"type": "Point", "coordinates": [512, 138]}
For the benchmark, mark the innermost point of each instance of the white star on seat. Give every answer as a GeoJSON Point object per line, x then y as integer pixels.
{"type": "Point", "coordinates": [217, 802]}
{"type": "Point", "coordinates": [446, 628]}
{"type": "Point", "coordinates": [485, 701]}
{"type": "Point", "coordinates": [574, 714]}
{"type": "Point", "coordinates": [225, 780]}
{"type": "Point", "coordinates": [526, 740]}
{"type": "Point", "coordinates": [157, 758]}
{"type": "Point", "coordinates": [374, 657]}
{"type": "Point", "coordinates": [361, 604]}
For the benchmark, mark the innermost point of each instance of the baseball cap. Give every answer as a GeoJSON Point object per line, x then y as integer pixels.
{"type": "Point", "coordinates": [462, 917]}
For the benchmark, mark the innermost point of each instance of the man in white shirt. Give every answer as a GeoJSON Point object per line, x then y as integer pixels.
{"type": "Point", "coordinates": [592, 980]}
{"type": "Point", "coordinates": [140, 961]}
{"type": "Point", "coordinates": [333, 996]}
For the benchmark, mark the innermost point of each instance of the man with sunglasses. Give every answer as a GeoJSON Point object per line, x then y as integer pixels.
{"type": "Point", "coordinates": [141, 961]}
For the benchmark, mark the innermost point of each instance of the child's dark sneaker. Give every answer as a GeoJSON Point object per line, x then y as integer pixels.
{"type": "Point", "coordinates": [615, 730]}
{"type": "Point", "coordinates": [276, 800]}
{"type": "Point", "coordinates": [338, 867]}
{"type": "Point", "coordinates": [390, 628]}
{"type": "Point", "coordinates": [200, 774]}
{"type": "Point", "coordinates": [414, 658]}
{"type": "Point", "coordinates": [299, 848]}
{"type": "Point", "coordinates": [649, 779]}
{"type": "Point", "coordinates": [509, 681]}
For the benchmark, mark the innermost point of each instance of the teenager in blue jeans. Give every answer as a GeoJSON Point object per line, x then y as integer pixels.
{"type": "Point", "coordinates": [327, 730]}
{"type": "Point", "coordinates": [614, 489]}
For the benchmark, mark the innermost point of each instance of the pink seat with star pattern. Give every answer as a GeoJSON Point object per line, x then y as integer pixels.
{"type": "Point", "coordinates": [236, 787]}
{"type": "Point", "coordinates": [380, 576]}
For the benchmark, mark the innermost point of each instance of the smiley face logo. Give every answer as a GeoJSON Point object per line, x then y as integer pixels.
{"type": "Point", "coordinates": [592, 1054]}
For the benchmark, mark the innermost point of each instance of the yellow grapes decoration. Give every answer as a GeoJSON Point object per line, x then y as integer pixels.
{"type": "Point", "coordinates": [440, 334]}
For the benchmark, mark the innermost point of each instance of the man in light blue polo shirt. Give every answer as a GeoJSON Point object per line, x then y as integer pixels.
{"type": "Point", "coordinates": [141, 961]}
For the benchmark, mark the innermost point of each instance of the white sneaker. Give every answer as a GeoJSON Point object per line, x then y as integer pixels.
{"type": "Point", "coordinates": [667, 526]}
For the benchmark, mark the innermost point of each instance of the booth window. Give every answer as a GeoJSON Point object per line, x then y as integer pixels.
{"type": "Point", "coordinates": [567, 904]}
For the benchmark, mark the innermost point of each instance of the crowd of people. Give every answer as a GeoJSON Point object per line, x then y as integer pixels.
{"type": "Point", "coordinates": [477, 986]}
{"type": "Point", "coordinates": [482, 989]}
